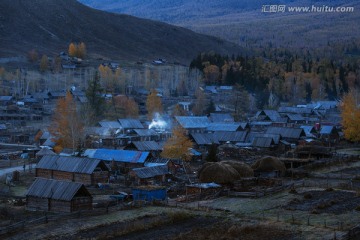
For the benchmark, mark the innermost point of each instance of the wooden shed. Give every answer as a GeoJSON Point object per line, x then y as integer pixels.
{"type": "Point", "coordinates": [149, 175]}
{"type": "Point", "coordinates": [84, 170]}
{"type": "Point", "coordinates": [58, 196]}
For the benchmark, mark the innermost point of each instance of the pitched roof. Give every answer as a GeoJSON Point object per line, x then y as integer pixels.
{"type": "Point", "coordinates": [229, 127]}
{"type": "Point", "coordinates": [147, 146]}
{"type": "Point", "coordinates": [68, 164]}
{"type": "Point", "coordinates": [54, 189]}
{"type": "Point", "coordinates": [204, 138]}
{"type": "Point", "coordinates": [117, 155]}
{"type": "Point", "coordinates": [327, 129]}
{"type": "Point", "coordinates": [149, 172]}
{"type": "Point", "coordinates": [300, 110]}
{"type": "Point", "coordinates": [6, 98]}
{"type": "Point", "coordinates": [193, 122]}
{"type": "Point", "coordinates": [110, 124]}
{"type": "Point", "coordinates": [252, 135]}
{"type": "Point", "coordinates": [222, 136]}
{"type": "Point", "coordinates": [145, 132]}
{"type": "Point", "coordinates": [285, 132]}
{"type": "Point", "coordinates": [45, 151]}
{"type": "Point", "coordinates": [130, 123]}
{"type": "Point", "coordinates": [262, 142]}
{"type": "Point", "coordinates": [295, 117]}
{"type": "Point", "coordinates": [156, 162]}
{"type": "Point", "coordinates": [221, 117]}
{"type": "Point", "coordinates": [271, 114]}
{"type": "Point", "coordinates": [308, 130]}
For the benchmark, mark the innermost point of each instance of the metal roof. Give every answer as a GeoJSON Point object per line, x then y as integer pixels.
{"type": "Point", "coordinates": [271, 114]}
{"type": "Point", "coordinates": [193, 122]}
{"type": "Point", "coordinates": [229, 127]}
{"type": "Point", "coordinates": [222, 136]}
{"type": "Point", "coordinates": [285, 132]}
{"type": "Point", "coordinates": [145, 132]}
{"type": "Point", "coordinates": [309, 130]}
{"type": "Point", "coordinates": [110, 124]}
{"type": "Point", "coordinates": [120, 155]}
{"type": "Point", "coordinates": [326, 129]}
{"type": "Point", "coordinates": [262, 142]}
{"type": "Point", "coordinates": [147, 146]}
{"type": "Point", "coordinates": [45, 151]}
{"type": "Point", "coordinates": [221, 117]}
{"type": "Point", "coordinates": [68, 164]}
{"type": "Point", "coordinates": [54, 189]}
{"type": "Point", "coordinates": [149, 172]}
{"type": "Point", "coordinates": [6, 98]}
{"type": "Point", "coordinates": [129, 123]}
{"type": "Point", "coordinates": [295, 117]}
{"type": "Point", "coordinates": [252, 135]}
{"type": "Point", "coordinates": [49, 143]}
{"type": "Point", "coordinates": [299, 110]}
{"type": "Point", "coordinates": [204, 138]}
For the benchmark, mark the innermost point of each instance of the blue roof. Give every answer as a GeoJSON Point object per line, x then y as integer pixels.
{"type": "Point", "coordinates": [120, 155]}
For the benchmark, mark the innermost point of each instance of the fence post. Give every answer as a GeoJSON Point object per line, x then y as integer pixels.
{"type": "Point", "coordinates": [308, 220]}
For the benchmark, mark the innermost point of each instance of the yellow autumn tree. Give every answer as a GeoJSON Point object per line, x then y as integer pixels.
{"type": "Point", "coordinates": [81, 50]}
{"type": "Point", "coordinates": [178, 146]}
{"type": "Point", "coordinates": [350, 114]}
{"type": "Point", "coordinates": [66, 127]}
{"type": "Point", "coordinates": [44, 63]}
{"type": "Point", "coordinates": [153, 104]}
{"type": "Point", "coordinates": [72, 49]}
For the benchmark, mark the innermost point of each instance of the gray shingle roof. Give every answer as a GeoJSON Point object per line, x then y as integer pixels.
{"type": "Point", "coordinates": [222, 136]}
{"type": "Point", "coordinates": [149, 172]}
{"type": "Point", "coordinates": [229, 127]}
{"type": "Point", "coordinates": [262, 142]}
{"type": "Point", "coordinates": [130, 123]}
{"type": "Point", "coordinates": [299, 110]}
{"type": "Point", "coordinates": [54, 189]}
{"type": "Point", "coordinates": [271, 114]}
{"type": "Point", "coordinates": [110, 124]}
{"type": "Point", "coordinates": [147, 146]}
{"type": "Point", "coordinates": [252, 135]}
{"type": "Point", "coordinates": [204, 138]}
{"type": "Point", "coordinates": [326, 129]}
{"type": "Point", "coordinates": [221, 117]}
{"type": "Point", "coordinates": [68, 164]}
{"type": "Point", "coordinates": [193, 122]}
{"type": "Point", "coordinates": [285, 132]}
{"type": "Point", "coordinates": [145, 132]}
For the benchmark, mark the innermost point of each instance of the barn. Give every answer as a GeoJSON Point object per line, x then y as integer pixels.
{"type": "Point", "coordinates": [84, 170]}
{"type": "Point", "coordinates": [58, 196]}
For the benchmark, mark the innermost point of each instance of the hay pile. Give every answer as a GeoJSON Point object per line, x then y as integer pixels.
{"type": "Point", "coordinates": [224, 172]}
{"type": "Point", "coordinates": [269, 164]}
{"type": "Point", "coordinates": [242, 168]}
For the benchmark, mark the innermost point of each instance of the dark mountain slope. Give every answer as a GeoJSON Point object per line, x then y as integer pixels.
{"type": "Point", "coordinates": [50, 25]}
{"type": "Point", "coordinates": [242, 22]}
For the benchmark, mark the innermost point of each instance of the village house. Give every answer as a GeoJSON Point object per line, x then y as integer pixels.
{"type": "Point", "coordinates": [193, 124]}
{"type": "Point", "coordinates": [291, 135]}
{"type": "Point", "coordinates": [58, 196]}
{"type": "Point", "coordinates": [230, 137]}
{"type": "Point", "coordinates": [149, 146]}
{"type": "Point", "coordinates": [125, 159]}
{"type": "Point", "coordinates": [84, 170]}
{"type": "Point", "coordinates": [204, 140]}
{"type": "Point", "coordinates": [149, 175]}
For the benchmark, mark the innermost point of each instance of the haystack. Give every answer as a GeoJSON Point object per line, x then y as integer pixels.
{"type": "Point", "coordinates": [219, 173]}
{"type": "Point", "coordinates": [269, 164]}
{"type": "Point", "coordinates": [242, 168]}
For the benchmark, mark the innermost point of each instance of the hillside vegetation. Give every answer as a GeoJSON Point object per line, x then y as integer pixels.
{"type": "Point", "coordinates": [49, 26]}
